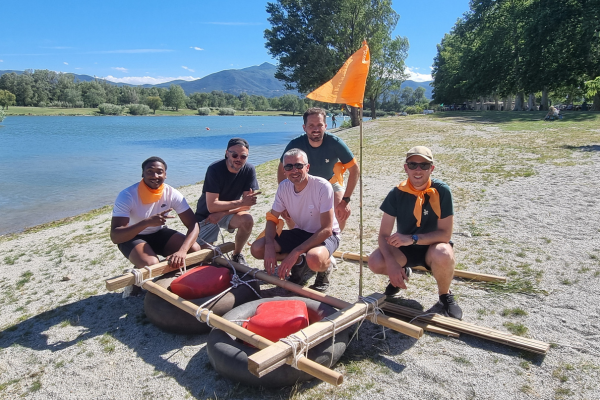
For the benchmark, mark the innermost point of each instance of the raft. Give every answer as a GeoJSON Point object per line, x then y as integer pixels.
{"type": "Point", "coordinates": [229, 357]}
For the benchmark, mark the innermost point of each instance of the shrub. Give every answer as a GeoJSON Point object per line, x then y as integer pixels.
{"type": "Point", "coordinates": [346, 124]}
{"type": "Point", "coordinates": [138, 109]}
{"type": "Point", "coordinates": [226, 111]}
{"type": "Point", "coordinates": [110, 109]}
{"type": "Point", "coordinates": [204, 111]}
{"type": "Point", "coordinates": [41, 104]}
{"type": "Point", "coordinates": [380, 113]}
{"type": "Point", "coordinates": [413, 110]}
{"type": "Point", "coordinates": [78, 104]}
{"type": "Point", "coordinates": [2, 115]}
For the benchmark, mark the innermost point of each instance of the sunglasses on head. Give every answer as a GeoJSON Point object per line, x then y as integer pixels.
{"type": "Point", "coordinates": [424, 165]}
{"type": "Point", "coordinates": [289, 167]}
{"type": "Point", "coordinates": [236, 155]}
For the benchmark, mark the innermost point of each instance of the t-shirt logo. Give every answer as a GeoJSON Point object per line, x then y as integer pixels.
{"type": "Point", "coordinates": [327, 160]}
{"type": "Point", "coordinates": [425, 212]}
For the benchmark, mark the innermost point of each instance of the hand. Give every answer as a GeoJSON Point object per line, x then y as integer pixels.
{"type": "Point", "coordinates": [342, 211]}
{"type": "Point", "coordinates": [285, 268]}
{"type": "Point", "coordinates": [270, 261]}
{"type": "Point", "coordinates": [214, 218]}
{"type": "Point", "coordinates": [177, 259]}
{"type": "Point", "coordinates": [288, 220]}
{"type": "Point", "coordinates": [398, 240]}
{"type": "Point", "coordinates": [160, 219]}
{"type": "Point", "coordinates": [249, 199]}
{"type": "Point", "coordinates": [396, 274]}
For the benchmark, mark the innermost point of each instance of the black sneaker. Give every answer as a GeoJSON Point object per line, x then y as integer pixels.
{"type": "Point", "coordinates": [299, 271]}
{"type": "Point", "coordinates": [447, 306]}
{"type": "Point", "coordinates": [322, 281]}
{"type": "Point", "coordinates": [392, 290]}
{"type": "Point", "coordinates": [240, 259]}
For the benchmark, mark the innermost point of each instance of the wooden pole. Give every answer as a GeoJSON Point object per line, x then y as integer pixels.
{"type": "Point", "coordinates": [304, 364]}
{"type": "Point", "coordinates": [383, 320]}
{"type": "Point", "coordinates": [264, 361]}
{"type": "Point", "coordinates": [535, 346]}
{"type": "Point", "coordinates": [457, 272]}
{"type": "Point", "coordinates": [360, 201]}
{"type": "Point", "coordinates": [121, 281]}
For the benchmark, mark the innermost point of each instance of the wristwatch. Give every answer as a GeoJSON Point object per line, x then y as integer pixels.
{"type": "Point", "coordinates": [346, 199]}
{"type": "Point", "coordinates": [415, 239]}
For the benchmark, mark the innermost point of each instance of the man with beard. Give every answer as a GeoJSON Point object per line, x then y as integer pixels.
{"type": "Point", "coordinates": [310, 244]}
{"type": "Point", "coordinates": [328, 157]}
{"type": "Point", "coordinates": [227, 195]}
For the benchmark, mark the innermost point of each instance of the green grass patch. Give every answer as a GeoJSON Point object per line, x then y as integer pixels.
{"type": "Point", "coordinates": [25, 278]}
{"type": "Point", "coordinates": [516, 329]}
{"type": "Point", "coordinates": [513, 312]}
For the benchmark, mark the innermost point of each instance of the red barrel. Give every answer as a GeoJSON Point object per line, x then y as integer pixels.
{"type": "Point", "coordinates": [277, 319]}
{"type": "Point", "coordinates": [203, 281]}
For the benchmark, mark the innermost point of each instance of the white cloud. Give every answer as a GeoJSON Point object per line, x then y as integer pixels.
{"type": "Point", "coordinates": [413, 75]}
{"type": "Point", "coordinates": [143, 80]}
{"type": "Point", "coordinates": [120, 69]}
{"type": "Point", "coordinates": [189, 69]}
{"type": "Point", "coordinates": [66, 63]}
{"type": "Point", "coordinates": [77, 68]}
{"type": "Point", "coordinates": [129, 51]}
{"type": "Point", "coordinates": [1, 60]}
{"type": "Point", "coordinates": [196, 48]}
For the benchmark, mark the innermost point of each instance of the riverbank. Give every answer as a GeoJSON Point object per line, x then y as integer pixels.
{"type": "Point", "coordinates": [77, 112]}
{"type": "Point", "coordinates": [524, 199]}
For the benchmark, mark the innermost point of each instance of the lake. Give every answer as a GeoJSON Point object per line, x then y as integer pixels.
{"type": "Point", "coordinates": [55, 167]}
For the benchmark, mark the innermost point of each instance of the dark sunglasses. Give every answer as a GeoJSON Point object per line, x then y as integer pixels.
{"type": "Point", "coordinates": [236, 155]}
{"type": "Point", "coordinates": [424, 165]}
{"type": "Point", "coordinates": [289, 167]}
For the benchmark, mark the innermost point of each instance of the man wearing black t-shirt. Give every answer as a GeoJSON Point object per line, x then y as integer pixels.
{"type": "Point", "coordinates": [423, 210]}
{"type": "Point", "coordinates": [227, 195]}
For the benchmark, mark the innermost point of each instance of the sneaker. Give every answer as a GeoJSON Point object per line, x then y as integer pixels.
{"type": "Point", "coordinates": [447, 306]}
{"type": "Point", "coordinates": [240, 259]}
{"type": "Point", "coordinates": [298, 271]}
{"type": "Point", "coordinates": [322, 280]}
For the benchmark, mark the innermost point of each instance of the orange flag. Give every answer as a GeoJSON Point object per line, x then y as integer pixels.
{"type": "Point", "coordinates": [348, 85]}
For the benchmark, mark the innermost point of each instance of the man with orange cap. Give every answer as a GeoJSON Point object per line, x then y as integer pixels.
{"type": "Point", "coordinates": [139, 219]}
{"type": "Point", "coordinates": [423, 210]}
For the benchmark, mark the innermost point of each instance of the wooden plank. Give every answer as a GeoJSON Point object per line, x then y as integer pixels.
{"type": "Point", "coordinates": [263, 361]}
{"type": "Point", "coordinates": [163, 267]}
{"type": "Point", "coordinates": [383, 320]}
{"type": "Point", "coordinates": [459, 273]}
{"type": "Point", "coordinates": [532, 345]}
{"type": "Point", "coordinates": [304, 364]}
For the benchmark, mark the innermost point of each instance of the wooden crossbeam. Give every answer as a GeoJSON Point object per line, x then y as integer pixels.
{"type": "Point", "coordinates": [475, 276]}
{"type": "Point", "coordinates": [266, 360]}
{"type": "Point", "coordinates": [163, 267]}
{"type": "Point", "coordinates": [304, 364]}
{"type": "Point", "coordinates": [383, 320]}
{"type": "Point", "coordinates": [532, 345]}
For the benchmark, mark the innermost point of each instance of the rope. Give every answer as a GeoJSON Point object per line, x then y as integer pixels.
{"type": "Point", "coordinates": [293, 341]}
{"type": "Point", "coordinates": [332, 341]}
{"type": "Point", "coordinates": [372, 315]}
{"type": "Point", "coordinates": [138, 276]}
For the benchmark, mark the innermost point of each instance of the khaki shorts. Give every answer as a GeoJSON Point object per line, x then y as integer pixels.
{"type": "Point", "coordinates": [209, 233]}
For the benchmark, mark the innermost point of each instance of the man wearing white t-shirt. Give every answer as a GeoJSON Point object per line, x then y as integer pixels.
{"type": "Point", "coordinates": [310, 245]}
{"type": "Point", "coordinates": [140, 214]}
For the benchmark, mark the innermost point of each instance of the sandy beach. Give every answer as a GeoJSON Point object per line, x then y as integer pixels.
{"type": "Point", "coordinates": [526, 207]}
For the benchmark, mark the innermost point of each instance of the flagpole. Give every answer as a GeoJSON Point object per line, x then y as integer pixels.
{"type": "Point", "coordinates": [360, 201]}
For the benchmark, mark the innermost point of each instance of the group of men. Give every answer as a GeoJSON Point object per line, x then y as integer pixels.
{"type": "Point", "coordinates": [313, 201]}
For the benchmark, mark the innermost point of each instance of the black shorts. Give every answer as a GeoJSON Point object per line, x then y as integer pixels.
{"type": "Point", "coordinates": [289, 240]}
{"type": "Point", "coordinates": [415, 255]}
{"type": "Point", "coordinates": [157, 241]}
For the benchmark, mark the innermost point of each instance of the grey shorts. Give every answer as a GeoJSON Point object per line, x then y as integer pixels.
{"type": "Point", "coordinates": [209, 233]}
{"type": "Point", "coordinates": [337, 187]}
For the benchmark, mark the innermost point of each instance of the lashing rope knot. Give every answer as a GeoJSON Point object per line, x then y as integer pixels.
{"type": "Point", "coordinates": [299, 347]}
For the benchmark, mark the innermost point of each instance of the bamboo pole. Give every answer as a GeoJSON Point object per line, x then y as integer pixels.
{"type": "Point", "coordinates": [264, 361]}
{"type": "Point", "coordinates": [360, 259]}
{"type": "Point", "coordinates": [532, 345]}
{"type": "Point", "coordinates": [304, 364]}
{"type": "Point", "coordinates": [383, 320]}
{"type": "Point", "coordinates": [121, 281]}
{"type": "Point", "coordinates": [457, 272]}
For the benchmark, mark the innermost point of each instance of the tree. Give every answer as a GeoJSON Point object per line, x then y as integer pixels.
{"type": "Point", "coordinates": [154, 102]}
{"type": "Point", "coordinates": [313, 38]}
{"type": "Point", "coordinates": [288, 102]}
{"type": "Point", "coordinates": [175, 97]}
{"type": "Point", "coordinates": [6, 99]}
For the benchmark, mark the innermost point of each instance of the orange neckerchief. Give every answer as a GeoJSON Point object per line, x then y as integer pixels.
{"type": "Point", "coordinates": [149, 195]}
{"type": "Point", "coordinates": [434, 198]}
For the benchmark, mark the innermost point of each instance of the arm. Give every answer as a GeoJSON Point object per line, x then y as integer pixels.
{"type": "Point", "coordinates": [315, 240]}
{"type": "Point", "coordinates": [394, 269]}
{"type": "Point", "coordinates": [342, 210]}
{"type": "Point", "coordinates": [121, 232]}
{"type": "Point", "coordinates": [280, 173]}
{"type": "Point", "coordinates": [441, 235]}
{"type": "Point", "coordinates": [215, 205]}
{"type": "Point", "coordinates": [270, 259]}
{"type": "Point", "coordinates": [188, 218]}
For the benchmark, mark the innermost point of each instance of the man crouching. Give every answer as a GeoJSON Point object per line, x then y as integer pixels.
{"type": "Point", "coordinates": [310, 244]}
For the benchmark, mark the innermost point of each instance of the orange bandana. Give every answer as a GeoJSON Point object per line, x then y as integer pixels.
{"type": "Point", "coordinates": [434, 198]}
{"type": "Point", "coordinates": [149, 195]}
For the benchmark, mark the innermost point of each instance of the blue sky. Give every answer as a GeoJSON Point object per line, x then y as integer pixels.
{"type": "Point", "coordinates": [158, 41]}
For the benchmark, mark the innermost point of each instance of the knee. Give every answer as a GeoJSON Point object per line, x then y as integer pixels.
{"type": "Point", "coordinates": [318, 261]}
{"type": "Point", "coordinates": [257, 250]}
{"type": "Point", "coordinates": [376, 263]}
{"type": "Point", "coordinates": [442, 254]}
{"type": "Point", "coordinates": [247, 222]}
{"type": "Point", "coordinates": [195, 247]}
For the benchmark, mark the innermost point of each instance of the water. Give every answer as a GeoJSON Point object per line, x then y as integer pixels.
{"type": "Point", "coordinates": [55, 167]}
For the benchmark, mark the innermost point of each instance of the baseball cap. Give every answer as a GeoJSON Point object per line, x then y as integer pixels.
{"type": "Point", "coordinates": [420, 151]}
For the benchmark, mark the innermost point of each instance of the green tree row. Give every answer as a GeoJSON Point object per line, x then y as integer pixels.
{"type": "Point", "coordinates": [505, 49]}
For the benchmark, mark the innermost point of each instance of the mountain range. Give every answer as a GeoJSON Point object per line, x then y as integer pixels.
{"type": "Point", "coordinates": [256, 80]}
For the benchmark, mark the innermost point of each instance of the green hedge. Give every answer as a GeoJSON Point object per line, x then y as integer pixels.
{"type": "Point", "coordinates": [204, 111]}
{"type": "Point", "coordinates": [138, 109]}
{"type": "Point", "coordinates": [110, 109]}
{"type": "Point", "coordinates": [226, 111]}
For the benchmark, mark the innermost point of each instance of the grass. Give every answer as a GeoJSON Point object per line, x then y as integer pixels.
{"type": "Point", "coordinates": [25, 278]}
{"type": "Point", "coordinates": [516, 329]}
{"type": "Point", "coordinates": [513, 312]}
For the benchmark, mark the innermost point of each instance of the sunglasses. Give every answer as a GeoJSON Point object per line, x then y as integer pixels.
{"type": "Point", "coordinates": [289, 167]}
{"type": "Point", "coordinates": [236, 155]}
{"type": "Point", "coordinates": [424, 165]}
